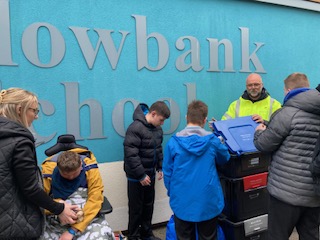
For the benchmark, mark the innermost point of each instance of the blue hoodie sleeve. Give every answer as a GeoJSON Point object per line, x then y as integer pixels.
{"type": "Point", "coordinates": [167, 166]}
{"type": "Point", "coordinates": [222, 151]}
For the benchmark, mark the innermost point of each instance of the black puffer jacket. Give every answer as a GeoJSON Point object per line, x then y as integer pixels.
{"type": "Point", "coordinates": [21, 191]}
{"type": "Point", "coordinates": [142, 147]}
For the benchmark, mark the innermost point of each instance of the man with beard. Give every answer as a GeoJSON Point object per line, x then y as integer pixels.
{"type": "Point", "coordinates": [255, 101]}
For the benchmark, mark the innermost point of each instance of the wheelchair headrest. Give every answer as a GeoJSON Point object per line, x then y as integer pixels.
{"type": "Point", "coordinates": [65, 142]}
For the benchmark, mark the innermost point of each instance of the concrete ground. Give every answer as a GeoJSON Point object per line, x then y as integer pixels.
{"type": "Point", "coordinates": [294, 236]}
{"type": "Point", "coordinates": [160, 231]}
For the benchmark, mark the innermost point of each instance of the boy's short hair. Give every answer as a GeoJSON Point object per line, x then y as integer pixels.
{"type": "Point", "coordinates": [296, 80]}
{"type": "Point", "coordinates": [68, 161]}
{"type": "Point", "coordinates": [161, 108]}
{"type": "Point", "coordinates": [197, 112]}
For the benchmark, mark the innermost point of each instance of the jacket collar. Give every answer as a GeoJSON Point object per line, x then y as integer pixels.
{"type": "Point", "coordinates": [293, 93]}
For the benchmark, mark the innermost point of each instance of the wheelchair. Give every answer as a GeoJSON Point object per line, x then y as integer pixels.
{"type": "Point", "coordinates": [67, 142]}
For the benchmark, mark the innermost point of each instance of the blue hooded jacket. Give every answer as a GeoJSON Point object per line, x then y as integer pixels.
{"type": "Point", "coordinates": [190, 174]}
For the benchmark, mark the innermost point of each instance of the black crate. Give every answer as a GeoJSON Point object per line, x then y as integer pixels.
{"type": "Point", "coordinates": [245, 197]}
{"type": "Point", "coordinates": [251, 229]}
{"type": "Point", "coordinates": [245, 164]}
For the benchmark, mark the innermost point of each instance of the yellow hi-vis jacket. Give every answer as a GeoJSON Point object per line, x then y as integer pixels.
{"type": "Point", "coordinates": [243, 107]}
{"type": "Point", "coordinates": [94, 182]}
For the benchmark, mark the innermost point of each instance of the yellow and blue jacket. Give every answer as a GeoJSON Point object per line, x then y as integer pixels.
{"type": "Point", "coordinates": [94, 185]}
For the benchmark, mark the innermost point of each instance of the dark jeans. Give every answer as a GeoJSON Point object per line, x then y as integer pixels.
{"type": "Point", "coordinates": [283, 217]}
{"type": "Point", "coordinates": [141, 201]}
{"type": "Point", "coordinates": [206, 230]}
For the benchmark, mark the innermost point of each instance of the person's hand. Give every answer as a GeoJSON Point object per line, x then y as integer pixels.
{"type": "Point", "coordinates": [160, 175]}
{"type": "Point", "coordinates": [68, 216]}
{"type": "Point", "coordinates": [146, 181]}
{"type": "Point", "coordinates": [80, 216]}
{"type": "Point", "coordinates": [261, 127]}
{"type": "Point", "coordinates": [257, 118]}
{"type": "Point", "coordinates": [210, 123]}
{"type": "Point", "coordinates": [66, 236]}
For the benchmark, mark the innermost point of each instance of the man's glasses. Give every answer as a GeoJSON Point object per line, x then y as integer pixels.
{"type": "Point", "coordinates": [35, 110]}
{"type": "Point", "coordinates": [254, 85]}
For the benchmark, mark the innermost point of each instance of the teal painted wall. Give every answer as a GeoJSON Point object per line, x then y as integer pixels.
{"type": "Point", "coordinates": [290, 40]}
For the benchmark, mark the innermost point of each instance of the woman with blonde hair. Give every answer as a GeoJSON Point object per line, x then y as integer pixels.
{"type": "Point", "coordinates": [22, 198]}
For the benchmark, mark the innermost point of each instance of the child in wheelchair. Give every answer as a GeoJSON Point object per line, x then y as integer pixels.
{"type": "Point", "coordinates": [73, 176]}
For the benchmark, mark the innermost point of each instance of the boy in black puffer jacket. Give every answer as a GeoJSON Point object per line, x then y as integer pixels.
{"type": "Point", "coordinates": [142, 157]}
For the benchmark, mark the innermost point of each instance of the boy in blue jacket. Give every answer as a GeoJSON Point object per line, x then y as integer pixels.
{"type": "Point", "coordinates": [191, 177]}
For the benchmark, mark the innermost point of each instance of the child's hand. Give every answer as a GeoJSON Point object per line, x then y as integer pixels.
{"type": "Point", "coordinates": [210, 123]}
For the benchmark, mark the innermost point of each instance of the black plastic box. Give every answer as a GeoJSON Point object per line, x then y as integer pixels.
{"type": "Point", "coordinates": [245, 197]}
{"type": "Point", "coordinates": [251, 229]}
{"type": "Point", "coordinates": [245, 164]}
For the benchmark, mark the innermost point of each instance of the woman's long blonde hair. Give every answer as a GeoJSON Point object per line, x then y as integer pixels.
{"type": "Point", "coordinates": [14, 98]}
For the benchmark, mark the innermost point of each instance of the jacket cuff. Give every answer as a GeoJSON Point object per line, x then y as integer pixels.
{"type": "Point", "coordinates": [144, 176]}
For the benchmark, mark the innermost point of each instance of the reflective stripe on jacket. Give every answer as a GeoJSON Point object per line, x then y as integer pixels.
{"type": "Point", "coordinates": [243, 107]}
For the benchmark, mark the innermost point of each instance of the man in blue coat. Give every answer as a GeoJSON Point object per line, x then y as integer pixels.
{"type": "Point", "coordinates": [191, 177]}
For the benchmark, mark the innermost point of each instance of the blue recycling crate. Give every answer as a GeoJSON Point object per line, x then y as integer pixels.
{"type": "Point", "coordinates": [238, 134]}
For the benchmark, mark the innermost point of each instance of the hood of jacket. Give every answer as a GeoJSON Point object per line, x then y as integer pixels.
{"type": "Point", "coordinates": [9, 128]}
{"type": "Point", "coordinates": [194, 140]}
{"type": "Point", "coordinates": [307, 100]}
{"type": "Point", "coordinates": [139, 114]}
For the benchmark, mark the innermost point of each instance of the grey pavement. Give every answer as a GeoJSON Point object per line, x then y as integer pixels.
{"type": "Point", "coordinates": [294, 235]}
